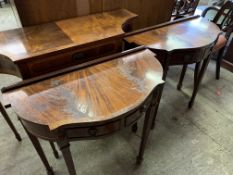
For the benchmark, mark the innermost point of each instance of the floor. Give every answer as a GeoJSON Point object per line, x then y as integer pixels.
{"type": "Point", "coordinates": [7, 18]}
{"type": "Point", "coordinates": [185, 142]}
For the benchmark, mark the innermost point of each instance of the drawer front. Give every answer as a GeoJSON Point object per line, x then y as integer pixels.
{"type": "Point", "coordinates": [132, 118]}
{"type": "Point", "coordinates": [94, 131]}
{"type": "Point", "coordinates": [63, 60]}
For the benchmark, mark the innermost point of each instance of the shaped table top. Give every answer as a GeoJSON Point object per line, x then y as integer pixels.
{"type": "Point", "coordinates": [24, 43]}
{"type": "Point", "coordinates": [192, 33]}
{"type": "Point", "coordinates": [96, 93]}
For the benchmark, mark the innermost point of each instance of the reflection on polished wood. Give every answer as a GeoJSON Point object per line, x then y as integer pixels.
{"type": "Point", "coordinates": [193, 33]}
{"type": "Point", "coordinates": [93, 94]}
{"type": "Point", "coordinates": [52, 46]}
{"type": "Point", "coordinates": [90, 102]}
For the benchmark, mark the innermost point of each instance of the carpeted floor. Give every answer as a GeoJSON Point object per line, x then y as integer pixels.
{"type": "Point", "coordinates": [185, 142]}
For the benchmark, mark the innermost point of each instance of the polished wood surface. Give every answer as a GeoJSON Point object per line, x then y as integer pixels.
{"type": "Point", "coordinates": [90, 102]}
{"type": "Point", "coordinates": [94, 94]}
{"type": "Point", "coordinates": [33, 12]}
{"type": "Point", "coordinates": [24, 43]}
{"type": "Point", "coordinates": [193, 33]}
{"type": "Point", "coordinates": [186, 41]}
{"type": "Point", "coordinates": [52, 46]}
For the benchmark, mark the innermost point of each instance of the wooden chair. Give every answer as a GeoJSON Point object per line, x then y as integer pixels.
{"type": "Point", "coordinates": [184, 8]}
{"type": "Point", "coordinates": [224, 19]}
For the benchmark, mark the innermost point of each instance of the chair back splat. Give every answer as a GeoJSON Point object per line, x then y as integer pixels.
{"type": "Point", "coordinates": [184, 7]}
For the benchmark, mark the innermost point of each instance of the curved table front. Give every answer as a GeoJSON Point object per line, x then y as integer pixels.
{"type": "Point", "coordinates": [190, 33]}
{"type": "Point", "coordinates": [182, 42]}
{"type": "Point", "coordinates": [90, 102]}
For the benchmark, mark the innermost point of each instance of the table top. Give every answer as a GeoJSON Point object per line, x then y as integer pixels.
{"type": "Point", "coordinates": [97, 93]}
{"type": "Point", "coordinates": [193, 33]}
{"type": "Point", "coordinates": [24, 43]}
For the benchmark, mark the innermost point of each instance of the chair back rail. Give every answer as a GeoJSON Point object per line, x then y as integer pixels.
{"type": "Point", "coordinates": [224, 17]}
{"type": "Point", "coordinates": [185, 7]}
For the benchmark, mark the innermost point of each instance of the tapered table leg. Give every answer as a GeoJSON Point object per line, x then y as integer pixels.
{"type": "Point", "coordinates": [184, 69]}
{"type": "Point", "coordinates": [134, 127]}
{"type": "Point", "coordinates": [196, 72]}
{"type": "Point", "coordinates": [40, 152]}
{"type": "Point", "coordinates": [8, 120]}
{"type": "Point", "coordinates": [159, 91]}
{"type": "Point", "coordinates": [218, 63]}
{"type": "Point", "coordinates": [65, 149]}
{"type": "Point", "coordinates": [198, 81]}
{"type": "Point", "coordinates": [55, 152]}
{"type": "Point", "coordinates": [145, 134]}
{"type": "Point", "coordinates": [155, 103]}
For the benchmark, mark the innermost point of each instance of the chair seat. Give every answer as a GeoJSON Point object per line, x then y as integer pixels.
{"type": "Point", "coordinates": [222, 41]}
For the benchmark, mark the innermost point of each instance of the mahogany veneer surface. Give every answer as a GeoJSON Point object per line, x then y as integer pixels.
{"type": "Point", "coordinates": [96, 93]}
{"type": "Point", "coordinates": [24, 43]}
{"type": "Point", "coordinates": [33, 51]}
{"type": "Point", "coordinates": [193, 33]}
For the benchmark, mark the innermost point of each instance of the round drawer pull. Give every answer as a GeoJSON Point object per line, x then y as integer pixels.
{"type": "Point", "coordinates": [92, 131]}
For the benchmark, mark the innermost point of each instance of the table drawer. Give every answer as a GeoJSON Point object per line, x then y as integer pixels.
{"type": "Point", "coordinates": [93, 131]}
{"type": "Point", "coordinates": [66, 59]}
{"type": "Point", "coordinates": [133, 118]}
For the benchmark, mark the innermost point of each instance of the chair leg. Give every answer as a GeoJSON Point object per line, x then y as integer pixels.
{"type": "Point", "coordinates": [198, 81]}
{"type": "Point", "coordinates": [218, 63]}
{"type": "Point", "coordinates": [184, 69]}
{"type": "Point", "coordinates": [8, 120]}
{"type": "Point", "coordinates": [55, 152]}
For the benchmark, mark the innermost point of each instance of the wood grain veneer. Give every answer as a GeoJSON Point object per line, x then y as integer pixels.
{"type": "Point", "coordinates": [93, 94]}
{"type": "Point", "coordinates": [91, 102]}
{"type": "Point", "coordinates": [47, 47]}
{"type": "Point", "coordinates": [192, 33]}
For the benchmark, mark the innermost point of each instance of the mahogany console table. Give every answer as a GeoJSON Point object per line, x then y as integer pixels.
{"type": "Point", "coordinates": [181, 42]}
{"type": "Point", "coordinates": [32, 51]}
{"type": "Point", "coordinates": [89, 101]}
